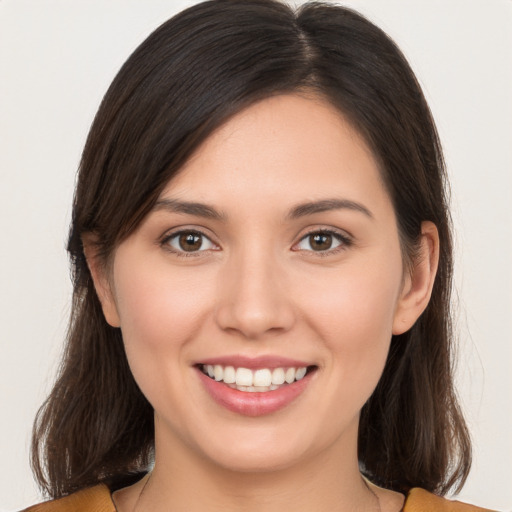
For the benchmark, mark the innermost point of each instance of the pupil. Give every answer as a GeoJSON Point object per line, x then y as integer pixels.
{"type": "Point", "coordinates": [190, 242]}
{"type": "Point", "coordinates": [321, 242]}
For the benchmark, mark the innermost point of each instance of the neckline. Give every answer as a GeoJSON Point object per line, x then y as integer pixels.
{"type": "Point", "coordinates": [406, 497]}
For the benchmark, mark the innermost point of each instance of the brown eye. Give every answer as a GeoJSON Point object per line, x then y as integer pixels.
{"type": "Point", "coordinates": [323, 241]}
{"type": "Point", "coordinates": [320, 241]}
{"type": "Point", "coordinates": [189, 241]}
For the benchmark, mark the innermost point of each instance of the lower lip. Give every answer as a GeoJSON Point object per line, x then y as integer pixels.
{"type": "Point", "coordinates": [256, 403]}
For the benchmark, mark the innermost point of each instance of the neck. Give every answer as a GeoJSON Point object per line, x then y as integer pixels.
{"type": "Point", "coordinates": [184, 481]}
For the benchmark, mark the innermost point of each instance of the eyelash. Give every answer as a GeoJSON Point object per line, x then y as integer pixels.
{"type": "Point", "coordinates": [344, 242]}
{"type": "Point", "coordinates": [181, 253]}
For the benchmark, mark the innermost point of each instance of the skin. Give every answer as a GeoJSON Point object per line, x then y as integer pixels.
{"type": "Point", "coordinates": [256, 287]}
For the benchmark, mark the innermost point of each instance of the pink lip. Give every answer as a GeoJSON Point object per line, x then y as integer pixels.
{"type": "Point", "coordinates": [239, 361]}
{"type": "Point", "coordinates": [254, 404]}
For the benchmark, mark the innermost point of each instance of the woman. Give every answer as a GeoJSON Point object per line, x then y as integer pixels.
{"type": "Point", "coordinates": [262, 260]}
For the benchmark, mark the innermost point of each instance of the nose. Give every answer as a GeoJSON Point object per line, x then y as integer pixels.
{"type": "Point", "coordinates": [253, 297]}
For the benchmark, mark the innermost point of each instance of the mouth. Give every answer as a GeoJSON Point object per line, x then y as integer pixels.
{"type": "Point", "coordinates": [258, 380]}
{"type": "Point", "coordinates": [255, 387]}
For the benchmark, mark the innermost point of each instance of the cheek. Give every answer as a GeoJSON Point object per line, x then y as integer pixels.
{"type": "Point", "coordinates": [353, 311]}
{"type": "Point", "coordinates": [160, 313]}
{"type": "Point", "coordinates": [157, 306]}
{"type": "Point", "coordinates": [356, 304]}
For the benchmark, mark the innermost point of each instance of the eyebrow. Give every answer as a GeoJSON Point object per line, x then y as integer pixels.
{"type": "Point", "coordinates": [298, 211]}
{"type": "Point", "coordinates": [325, 205]}
{"type": "Point", "coordinates": [189, 208]}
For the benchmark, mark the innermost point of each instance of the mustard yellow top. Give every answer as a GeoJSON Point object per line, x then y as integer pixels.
{"type": "Point", "coordinates": [99, 499]}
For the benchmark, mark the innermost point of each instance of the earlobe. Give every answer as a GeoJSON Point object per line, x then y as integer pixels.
{"type": "Point", "coordinates": [101, 280]}
{"type": "Point", "coordinates": [418, 284]}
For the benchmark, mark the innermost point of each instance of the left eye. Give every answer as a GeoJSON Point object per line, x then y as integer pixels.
{"type": "Point", "coordinates": [190, 241]}
{"type": "Point", "coordinates": [321, 241]}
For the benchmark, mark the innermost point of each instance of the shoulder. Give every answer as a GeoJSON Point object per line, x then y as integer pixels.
{"type": "Point", "coordinates": [419, 500]}
{"type": "Point", "coordinates": [92, 499]}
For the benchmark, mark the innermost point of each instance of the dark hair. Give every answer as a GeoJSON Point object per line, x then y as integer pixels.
{"type": "Point", "coordinates": [184, 81]}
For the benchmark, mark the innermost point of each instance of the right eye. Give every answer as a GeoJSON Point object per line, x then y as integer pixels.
{"type": "Point", "coordinates": [189, 241]}
{"type": "Point", "coordinates": [323, 242]}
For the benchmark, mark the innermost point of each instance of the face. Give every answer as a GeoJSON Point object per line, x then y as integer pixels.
{"type": "Point", "coordinates": [271, 262]}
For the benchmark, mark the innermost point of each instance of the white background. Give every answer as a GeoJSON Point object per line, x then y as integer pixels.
{"type": "Point", "coordinates": [57, 59]}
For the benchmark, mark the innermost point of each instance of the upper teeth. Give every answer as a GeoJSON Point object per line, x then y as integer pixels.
{"type": "Point", "coordinates": [262, 377]}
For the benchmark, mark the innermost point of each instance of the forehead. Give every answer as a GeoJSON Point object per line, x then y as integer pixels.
{"type": "Point", "coordinates": [287, 146]}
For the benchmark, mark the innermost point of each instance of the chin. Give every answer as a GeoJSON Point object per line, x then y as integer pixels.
{"type": "Point", "coordinates": [268, 446]}
{"type": "Point", "coordinates": [256, 460]}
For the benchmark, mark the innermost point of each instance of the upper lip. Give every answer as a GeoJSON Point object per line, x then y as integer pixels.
{"type": "Point", "coordinates": [265, 361]}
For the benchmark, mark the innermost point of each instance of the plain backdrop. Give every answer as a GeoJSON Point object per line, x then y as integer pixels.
{"type": "Point", "coordinates": [57, 59]}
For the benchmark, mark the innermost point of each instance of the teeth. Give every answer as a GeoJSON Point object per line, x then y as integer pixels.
{"type": "Point", "coordinates": [278, 376]}
{"type": "Point", "coordinates": [260, 380]}
{"type": "Point", "coordinates": [289, 376]}
{"type": "Point", "coordinates": [243, 377]}
{"type": "Point", "coordinates": [229, 375]}
{"type": "Point", "coordinates": [299, 374]}
{"type": "Point", "coordinates": [218, 372]}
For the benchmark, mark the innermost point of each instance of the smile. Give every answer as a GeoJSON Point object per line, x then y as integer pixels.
{"type": "Point", "coordinates": [259, 380]}
{"type": "Point", "coordinates": [255, 387]}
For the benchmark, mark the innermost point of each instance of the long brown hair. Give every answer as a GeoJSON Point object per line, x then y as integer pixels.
{"type": "Point", "coordinates": [185, 80]}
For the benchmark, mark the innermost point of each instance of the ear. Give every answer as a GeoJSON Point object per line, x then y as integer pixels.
{"type": "Point", "coordinates": [101, 279]}
{"type": "Point", "coordinates": [419, 281]}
